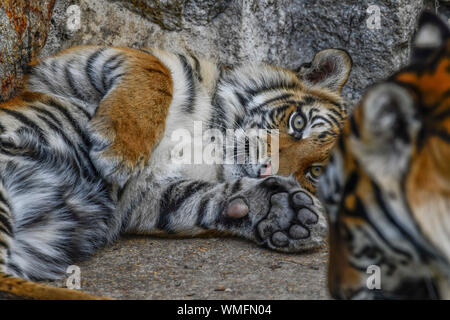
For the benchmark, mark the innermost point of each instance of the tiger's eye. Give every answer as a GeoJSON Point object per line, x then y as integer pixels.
{"type": "Point", "coordinates": [297, 122]}
{"type": "Point", "coordinates": [316, 171]}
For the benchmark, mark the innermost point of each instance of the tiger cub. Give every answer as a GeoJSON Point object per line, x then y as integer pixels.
{"type": "Point", "coordinates": [88, 150]}
{"type": "Point", "coordinates": [387, 189]}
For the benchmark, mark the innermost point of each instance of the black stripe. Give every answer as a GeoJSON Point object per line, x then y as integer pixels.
{"type": "Point", "coordinates": [82, 110]}
{"type": "Point", "coordinates": [444, 135]}
{"type": "Point", "coordinates": [171, 201]}
{"type": "Point", "coordinates": [6, 223]}
{"type": "Point", "coordinates": [113, 59]}
{"type": "Point", "coordinates": [338, 105]}
{"type": "Point", "coordinates": [279, 110]}
{"type": "Point", "coordinates": [424, 252]}
{"type": "Point", "coordinates": [439, 116]}
{"type": "Point", "coordinates": [243, 100]}
{"type": "Point", "coordinates": [15, 268]}
{"type": "Point", "coordinates": [309, 100]}
{"type": "Point", "coordinates": [197, 68]}
{"type": "Point", "coordinates": [189, 105]}
{"type": "Point", "coordinates": [28, 122]}
{"type": "Point", "coordinates": [47, 260]}
{"type": "Point", "coordinates": [317, 125]}
{"type": "Point", "coordinates": [201, 212]}
{"type": "Point", "coordinates": [236, 186]}
{"type": "Point", "coordinates": [322, 118]}
{"type": "Point", "coordinates": [268, 87]}
{"type": "Point", "coordinates": [337, 113]}
{"type": "Point", "coordinates": [90, 72]}
{"type": "Point", "coordinates": [298, 104]}
{"type": "Point", "coordinates": [166, 204]}
{"type": "Point", "coordinates": [47, 114]}
{"type": "Point", "coordinates": [108, 68]}
{"type": "Point", "coordinates": [34, 153]}
{"type": "Point", "coordinates": [360, 210]}
{"type": "Point", "coordinates": [33, 219]}
{"type": "Point", "coordinates": [81, 163]}
{"type": "Point", "coordinates": [121, 191]}
{"type": "Point", "coordinates": [310, 113]}
{"type": "Point", "coordinates": [113, 80]}
{"type": "Point", "coordinates": [336, 122]}
{"type": "Point", "coordinates": [3, 244]}
{"type": "Point", "coordinates": [72, 121]}
{"type": "Point", "coordinates": [354, 127]}
{"type": "Point", "coordinates": [71, 82]}
{"type": "Point", "coordinates": [325, 134]}
{"type": "Point", "coordinates": [277, 98]}
{"type": "Point", "coordinates": [4, 230]}
{"type": "Point", "coordinates": [134, 203]}
{"type": "Point", "coordinates": [3, 199]}
{"type": "Point", "coordinates": [42, 78]}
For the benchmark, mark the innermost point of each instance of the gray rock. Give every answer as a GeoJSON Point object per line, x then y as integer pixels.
{"type": "Point", "coordinates": [23, 31]}
{"type": "Point", "coordinates": [282, 32]}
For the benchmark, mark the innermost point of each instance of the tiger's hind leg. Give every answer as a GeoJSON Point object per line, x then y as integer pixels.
{"type": "Point", "coordinates": [125, 94]}
{"type": "Point", "coordinates": [130, 119]}
{"type": "Point", "coordinates": [15, 288]}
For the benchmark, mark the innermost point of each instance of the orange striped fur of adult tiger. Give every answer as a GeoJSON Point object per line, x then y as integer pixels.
{"type": "Point", "coordinates": [387, 189]}
{"type": "Point", "coordinates": [85, 156]}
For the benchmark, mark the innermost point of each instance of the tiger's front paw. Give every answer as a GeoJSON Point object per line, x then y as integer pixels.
{"type": "Point", "coordinates": [277, 213]}
{"type": "Point", "coordinates": [295, 222]}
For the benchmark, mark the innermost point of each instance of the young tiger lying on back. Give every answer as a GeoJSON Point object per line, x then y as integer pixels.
{"type": "Point", "coordinates": [85, 155]}
{"type": "Point", "coordinates": [392, 169]}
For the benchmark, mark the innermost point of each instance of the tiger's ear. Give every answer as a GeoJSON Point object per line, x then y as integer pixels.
{"type": "Point", "coordinates": [329, 69]}
{"type": "Point", "coordinates": [388, 115]}
{"type": "Point", "coordinates": [431, 34]}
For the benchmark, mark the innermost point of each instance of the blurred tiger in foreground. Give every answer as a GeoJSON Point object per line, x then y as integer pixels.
{"type": "Point", "coordinates": [86, 154]}
{"type": "Point", "coordinates": [387, 188]}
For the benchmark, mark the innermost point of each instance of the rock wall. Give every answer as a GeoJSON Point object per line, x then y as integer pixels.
{"type": "Point", "coordinates": [23, 30]}
{"type": "Point", "coordinates": [282, 32]}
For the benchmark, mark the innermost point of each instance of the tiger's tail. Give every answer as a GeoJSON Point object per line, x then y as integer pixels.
{"type": "Point", "coordinates": [15, 288]}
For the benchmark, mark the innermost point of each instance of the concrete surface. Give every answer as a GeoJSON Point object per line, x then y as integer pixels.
{"type": "Point", "coordinates": [226, 268]}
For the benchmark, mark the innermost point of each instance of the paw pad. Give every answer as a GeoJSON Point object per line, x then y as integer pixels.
{"type": "Point", "coordinates": [298, 232]}
{"type": "Point", "coordinates": [237, 208]}
{"type": "Point", "coordinates": [302, 199]}
{"type": "Point", "coordinates": [280, 239]}
{"type": "Point", "coordinates": [306, 216]}
{"type": "Point", "coordinates": [293, 217]}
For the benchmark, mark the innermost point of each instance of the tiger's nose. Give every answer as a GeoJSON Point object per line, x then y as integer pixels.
{"type": "Point", "coordinates": [266, 170]}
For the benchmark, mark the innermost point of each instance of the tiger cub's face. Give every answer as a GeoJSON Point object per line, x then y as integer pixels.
{"type": "Point", "coordinates": [389, 232]}
{"type": "Point", "coordinates": [307, 111]}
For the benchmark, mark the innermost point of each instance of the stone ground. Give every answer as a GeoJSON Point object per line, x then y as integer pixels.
{"type": "Point", "coordinates": [154, 268]}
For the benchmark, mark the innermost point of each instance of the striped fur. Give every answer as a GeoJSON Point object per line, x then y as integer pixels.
{"type": "Point", "coordinates": [85, 153]}
{"type": "Point", "coordinates": [387, 188]}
